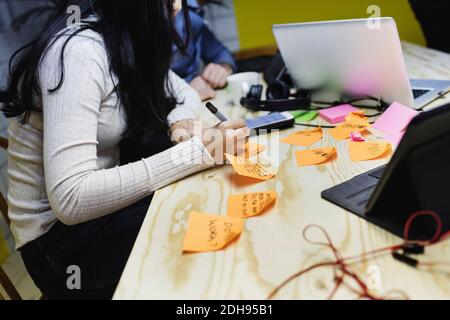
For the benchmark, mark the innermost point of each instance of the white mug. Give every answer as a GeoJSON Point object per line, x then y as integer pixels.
{"type": "Point", "coordinates": [239, 85]}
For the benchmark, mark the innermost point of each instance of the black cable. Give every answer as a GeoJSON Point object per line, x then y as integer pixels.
{"type": "Point", "coordinates": [381, 104]}
{"type": "Point", "coordinates": [313, 125]}
{"type": "Point", "coordinates": [374, 115]}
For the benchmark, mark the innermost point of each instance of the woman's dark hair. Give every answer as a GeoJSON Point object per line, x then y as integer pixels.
{"type": "Point", "coordinates": [138, 36]}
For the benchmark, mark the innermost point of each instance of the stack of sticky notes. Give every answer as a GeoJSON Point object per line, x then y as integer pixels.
{"type": "Point", "coordinates": [394, 121]}
{"type": "Point", "coordinates": [301, 116]}
{"type": "Point", "coordinates": [337, 114]}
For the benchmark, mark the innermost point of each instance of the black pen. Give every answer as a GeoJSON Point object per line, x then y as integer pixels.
{"type": "Point", "coordinates": [216, 112]}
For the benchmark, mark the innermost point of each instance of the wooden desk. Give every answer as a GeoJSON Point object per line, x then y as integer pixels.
{"type": "Point", "coordinates": [271, 247]}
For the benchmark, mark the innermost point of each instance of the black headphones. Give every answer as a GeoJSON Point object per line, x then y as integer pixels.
{"type": "Point", "coordinates": [278, 96]}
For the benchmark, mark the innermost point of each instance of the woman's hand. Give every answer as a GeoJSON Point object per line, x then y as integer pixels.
{"type": "Point", "coordinates": [182, 131]}
{"type": "Point", "coordinates": [203, 88]}
{"type": "Point", "coordinates": [227, 137]}
{"type": "Point", "coordinates": [216, 75]}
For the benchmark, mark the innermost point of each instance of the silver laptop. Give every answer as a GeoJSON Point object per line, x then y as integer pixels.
{"type": "Point", "coordinates": [352, 59]}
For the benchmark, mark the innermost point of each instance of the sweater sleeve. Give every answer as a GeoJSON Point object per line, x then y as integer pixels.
{"type": "Point", "coordinates": [188, 98]}
{"type": "Point", "coordinates": [77, 190]}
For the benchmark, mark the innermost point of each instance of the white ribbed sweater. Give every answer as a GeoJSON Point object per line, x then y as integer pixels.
{"type": "Point", "coordinates": [63, 164]}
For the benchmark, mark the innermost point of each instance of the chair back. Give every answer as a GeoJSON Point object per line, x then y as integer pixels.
{"type": "Point", "coordinates": [5, 281]}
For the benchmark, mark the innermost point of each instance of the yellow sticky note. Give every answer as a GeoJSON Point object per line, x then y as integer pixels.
{"type": "Point", "coordinates": [253, 149]}
{"type": "Point", "coordinates": [343, 131]}
{"type": "Point", "coordinates": [247, 168]}
{"type": "Point", "coordinates": [250, 204]}
{"type": "Point", "coordinates": [315, 156]}
{"type": "Point", "coordinates": [207, 232]}
{"type": "Point", "coordinates": [371, 150]}
{"type": "Point", "coordinates": [304, 138]}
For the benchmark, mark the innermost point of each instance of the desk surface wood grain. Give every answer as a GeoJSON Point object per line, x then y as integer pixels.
{"type": "Point", "coordinates": [271, 247]}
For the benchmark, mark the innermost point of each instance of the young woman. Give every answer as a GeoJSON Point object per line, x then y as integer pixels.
{"type": "Point", "coordinates": [76, 94]}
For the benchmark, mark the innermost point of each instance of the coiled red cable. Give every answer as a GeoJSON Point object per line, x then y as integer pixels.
{"type": "Point", "coordinates": [341, 265]}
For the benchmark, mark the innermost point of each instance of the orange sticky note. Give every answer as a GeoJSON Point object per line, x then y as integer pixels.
{"type": "Point", "coordinates": [253, 149]}
{"type": "Point", "coordinates": [315, 156]}
{"type": "Point", "coordinates": [357, 118]}
{"type": "Point", "coordinates": [210, 233]}
{"type": "Point", "coordinates": [250, 204]}
{"type": "Point", "coordinates": [304, 138]}
{"type": "Point", "coordinates": [354, 122]}
{"type": "Point", "coordinates": [371, 150]}
{"type": "Point", "coordinates": [247, 168]}
{"type": "Point", "coordinates": [343, 131]}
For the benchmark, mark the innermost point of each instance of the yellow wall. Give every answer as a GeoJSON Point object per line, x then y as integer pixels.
{"type": "Point", "coordinates": [256, 17]}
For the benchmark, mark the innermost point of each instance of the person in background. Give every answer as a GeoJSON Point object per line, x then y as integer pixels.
{"type": "Point", "coordinates": [207, 62]}
{"type": "Point", "coordinates": [433, 17]}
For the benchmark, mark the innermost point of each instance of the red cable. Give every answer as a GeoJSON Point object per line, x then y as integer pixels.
{"type": "Point", "coordinates": [342, 264]}
{"type": "Point", "coordinates": [432, 214]}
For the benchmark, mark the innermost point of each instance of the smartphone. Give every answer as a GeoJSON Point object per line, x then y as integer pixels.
{"type": "Point", "coordinates": [274, 120]}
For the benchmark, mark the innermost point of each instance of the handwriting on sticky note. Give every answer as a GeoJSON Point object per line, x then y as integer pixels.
{"type": "Point", "coordinates": [315, 156]}
{"type": "Point", "coordinates": [370, 150]}
{"type": "Point", "coordinates": [253, 149]}
{"type": "Point", "coordinates": [247, 168]}
{"type": "Point", "coordinates": [304, 138]}
{"type": "Point", "coordinates": [395, 119]}
{"type": "Point", "coordinates": [357, 118]}
{"type": "Point", "coordinates": [343, 131]}
{"type": "Point", "coordinates": [210, 233]}
{"type": "Point", "coordinates": [250, 204]}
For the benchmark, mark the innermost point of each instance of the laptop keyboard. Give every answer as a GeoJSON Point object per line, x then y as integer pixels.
{"type": "Point", "coordinates": [417, 93]}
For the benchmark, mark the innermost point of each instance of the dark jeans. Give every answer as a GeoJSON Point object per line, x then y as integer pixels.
{"type": "Point", "coordinates": [433, 17]}
{"type": "Point", "coordinates": [99, 248]}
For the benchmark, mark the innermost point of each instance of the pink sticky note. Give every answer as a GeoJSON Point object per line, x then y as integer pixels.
{"type": "Point", "coordinates": [395, 119]}
{"type": "Point", "coordinates": [395, 138]}
{"type": "Point", "coordinates": [356, 137]}
{"type": "Point", "coordinates": [337, 114]}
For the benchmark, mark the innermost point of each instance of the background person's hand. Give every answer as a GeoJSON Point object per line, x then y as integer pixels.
{"type": "Point", "coordinates": [216, 75]}
{"type": "Point", "coordinates": [203, 88]}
